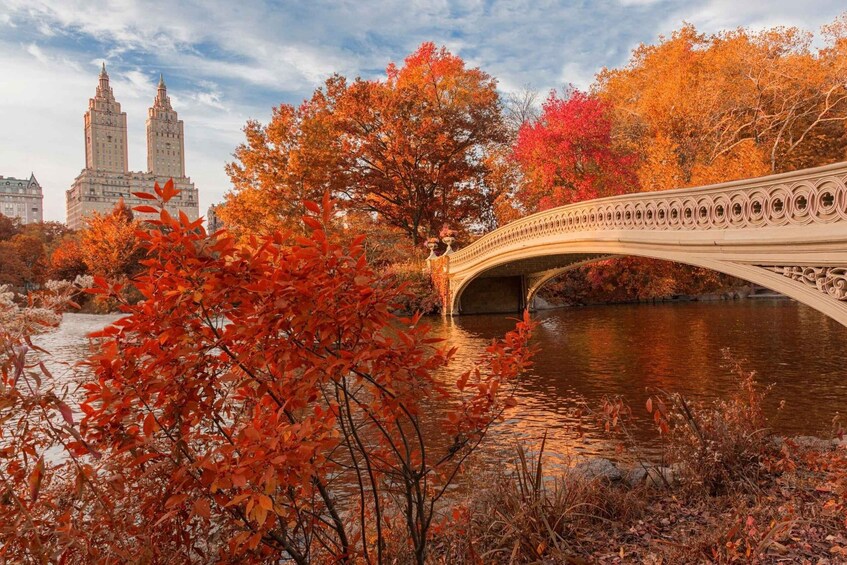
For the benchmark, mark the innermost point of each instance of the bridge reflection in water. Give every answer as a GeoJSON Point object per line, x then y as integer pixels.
{"type": "Point", "coordinates": [786, 232]}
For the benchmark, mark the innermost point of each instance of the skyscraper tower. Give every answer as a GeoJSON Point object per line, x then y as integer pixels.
{"type": "Point", "coordinates": [165, 140]}
{"type": "Point", "coordinates": [105, 130]}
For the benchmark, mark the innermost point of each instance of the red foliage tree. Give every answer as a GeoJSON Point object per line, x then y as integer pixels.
{"type": "Point", "coordinates": [415, 145]}
{"type": "Point", "coordinates": [568, 155]}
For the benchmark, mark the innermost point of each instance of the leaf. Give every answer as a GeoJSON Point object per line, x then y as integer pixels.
{"type": "Point", "coordinates": [146, 209]}
{"type": "Point", "coordinates": [312, 223]}
{"type": "Point", "coordinates": [254, 540]}
{"type": "Point", "coordinates": [66, 412]}
{"type": "Point", "coordinates": [141, 459]}
{"type": "Point", "coordinates": [237, 499]}
{"type": "Point", "coordinates": [144, 195]}
{"type": "Point", "coordinates": [35, 479]}
{"type": "Point", "coordinates": [175, 500]}
{"type": "Point", "coordinates": [265, 502]}
{"type": "Point", "coordinates": [202, 508]}
{"type": "Point", "coordinates": [44, 370]}
{"type": "Point", "coordinates": [462, 381]}
{"type": "Point", "coordinates": [149, 426]}
{"type": "Point", "coordinates": [165, 517]}
{"type": "Point", "coordinates": [650, 405]}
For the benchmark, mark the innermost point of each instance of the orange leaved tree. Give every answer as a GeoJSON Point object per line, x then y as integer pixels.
{"type": "Point", "coordinates": [294, 158]}
{"type": "Point", "coordinates": [261, 404]}
{"type": "Point", "coordinates": [108, 243]}
{"type": "Point", "coordinates": [414, 148]}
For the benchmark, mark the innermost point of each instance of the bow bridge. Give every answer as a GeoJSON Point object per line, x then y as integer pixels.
{"type": "Point", "coordinates": [785, 232]}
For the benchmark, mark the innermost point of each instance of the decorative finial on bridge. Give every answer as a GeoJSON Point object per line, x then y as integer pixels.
{"type": "Point", "coordinates": [431, 244]}
{"type": "Point", "coordinates": [448, 236]}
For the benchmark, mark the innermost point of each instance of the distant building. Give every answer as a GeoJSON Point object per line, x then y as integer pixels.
{"type": "Point", "coordinates": [106, 177]}
{"type": "Point", "coordinates": [213, 222]}
{"type": "Point", "coordinates": [21, 198]}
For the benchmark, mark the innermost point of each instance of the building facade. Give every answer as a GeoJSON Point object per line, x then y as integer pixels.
{"type": "Point", "coordinates": [106, 177]}
{"type": "Point", "coordinates": [22, 199]}
{"type": "Point", "coordinates": [213, 221]}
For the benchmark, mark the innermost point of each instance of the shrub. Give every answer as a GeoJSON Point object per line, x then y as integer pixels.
{"type": "Point", "coordinates": [721, 446]}
{"type": "Point", "coordinates": [532, 516]}
{"type": "Point", "coordinates": [421, 295]}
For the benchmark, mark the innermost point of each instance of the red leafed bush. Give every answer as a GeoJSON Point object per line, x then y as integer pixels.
{"type": "Point", "coordinates": [262, 403]}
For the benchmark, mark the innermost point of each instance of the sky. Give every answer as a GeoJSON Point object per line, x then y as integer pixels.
{"type": "Point", "coordinates": [229, 61]}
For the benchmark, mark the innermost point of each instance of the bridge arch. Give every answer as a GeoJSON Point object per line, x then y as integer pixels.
{"type": "Point", "coordinates": [784, 232]}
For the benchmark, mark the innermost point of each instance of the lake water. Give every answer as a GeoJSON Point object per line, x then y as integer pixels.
{"type": "Point", "coordinates": [586, 354]}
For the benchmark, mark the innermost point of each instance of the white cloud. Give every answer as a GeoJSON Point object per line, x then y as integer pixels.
{"type": "Point", "coordinates": [577, 75]}
{"type": "Point", "coordinates": [36, 52]}
{"type": "Point", "coordinates": [715, 15]}
{"type": "Point", "coordinates": [46, 30]}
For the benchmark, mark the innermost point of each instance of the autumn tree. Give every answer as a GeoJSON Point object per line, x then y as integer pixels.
{"type": "Point", "coordinates": [25, 250]}
{"type": "Point", "coordinates": [23, 261]}
{"type": "Point", "coordinates": [415, 144]}
{"type": "Point", "coordinates": [67, 260]}
{"type": "Point", "coordinates": [520, 107]}
{"type": "Point", "coordinates": [9, 227]}
{"type": "Point", "coordinates": [13, 269]}
{"type": "Point", "coordinates": [108, 243]}
{"type": "Point", "coordinates": [568, 155]}
{"type": "Point", "coordinates": [411, 148]}
{"type": "Point", "coordinates": [49, 233]}
{"type": "Point", "coordinates": [703, 108]}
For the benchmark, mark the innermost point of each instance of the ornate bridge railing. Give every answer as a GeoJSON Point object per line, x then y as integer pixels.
{"type": "Point", "coordinates": [813, 196]}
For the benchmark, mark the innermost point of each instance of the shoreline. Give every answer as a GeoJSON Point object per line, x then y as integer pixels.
{"type": "Point", "coordinates": [747, 292]}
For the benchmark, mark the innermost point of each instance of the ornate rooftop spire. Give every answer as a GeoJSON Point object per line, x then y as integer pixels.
{"type": "Point", "coordinates": [103, 88]}
{"type": "Point", "coordinates": [162, 100]}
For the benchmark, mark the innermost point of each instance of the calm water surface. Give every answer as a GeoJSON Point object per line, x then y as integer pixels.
{"type": "Point", "coordinates": [587, 354]}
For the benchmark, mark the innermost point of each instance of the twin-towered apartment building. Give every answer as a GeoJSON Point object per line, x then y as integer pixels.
{"type": "Point", "coordinates": [106, 177]}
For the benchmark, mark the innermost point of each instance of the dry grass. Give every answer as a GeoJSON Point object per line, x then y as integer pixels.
{"type": "Point", "coordinates": [527, 516]}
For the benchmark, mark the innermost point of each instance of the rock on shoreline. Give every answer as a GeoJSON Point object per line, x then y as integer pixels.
{"type": "Point", "coordinates": [663, 476]}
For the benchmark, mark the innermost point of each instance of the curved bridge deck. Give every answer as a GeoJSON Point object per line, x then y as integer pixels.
{"type": "Point", "coordinates": [786, 232]}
